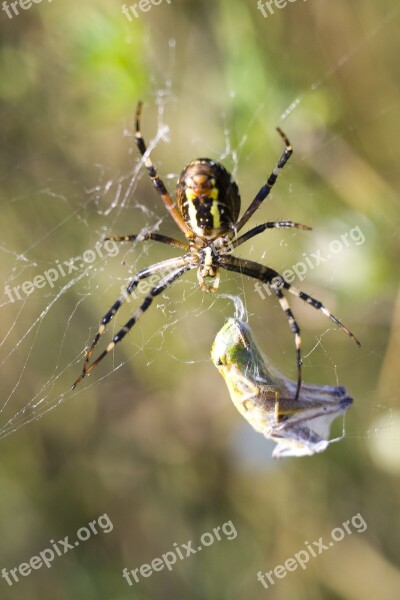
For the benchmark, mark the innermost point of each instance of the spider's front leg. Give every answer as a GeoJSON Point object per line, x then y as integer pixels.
{"type": "Point", "coordinates": [277, 283]}
{"type": "Point", "coordinates": [178, 266]}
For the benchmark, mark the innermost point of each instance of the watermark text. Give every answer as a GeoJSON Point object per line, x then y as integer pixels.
{"type": "Point", "coordinates": [269, 4]}
{"type": "Point", "coordinates": [142, 5]}
{"type": "Point", "coordinates": [59, 548]}
{"type": "Point", "coordinates": [65, 268]}
{"type": "Point", "coordinates": [302, 557]}
{"type": "Point", "coordinates": [23, 4]}
{"type": "Point", "coordinates": [312, 260]}
{"type": "Point", "coordinates": [181, 551]}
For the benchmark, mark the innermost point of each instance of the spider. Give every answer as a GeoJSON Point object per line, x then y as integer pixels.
{"type": "Point", "coordinates": [207, 212]}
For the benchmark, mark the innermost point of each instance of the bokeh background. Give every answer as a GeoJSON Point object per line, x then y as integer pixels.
{"type": "Point", "coordinates": [151, 438]}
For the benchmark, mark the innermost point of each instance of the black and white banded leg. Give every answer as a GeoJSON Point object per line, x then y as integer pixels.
{"type": "Point", "coordinates": [155, 237]}
{"type": "Point", "coordinates": [269, 225]}
{"type": "Point", "coordinates": [265, 190]}
{"type": "Point", "coordinates": [179, 266]}
{"type": "Point", "coordinates": [157, 181]}
{"type": "Point", "coordinates": [277, 283]}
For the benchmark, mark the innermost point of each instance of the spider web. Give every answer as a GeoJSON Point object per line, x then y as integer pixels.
{"type": "Point", "coordinates": [42, 335]}
{"type": "Point", "coordinates": [110, 201]}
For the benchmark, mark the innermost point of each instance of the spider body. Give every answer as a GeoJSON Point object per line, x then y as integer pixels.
{"type": "Point", "coordinates": [207, 198]}
{"type": "Point", "coordinates": [207, 213]}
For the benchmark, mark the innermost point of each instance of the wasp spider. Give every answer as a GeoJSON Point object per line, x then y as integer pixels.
{"type": "Point", "coordinates": [207, 212]}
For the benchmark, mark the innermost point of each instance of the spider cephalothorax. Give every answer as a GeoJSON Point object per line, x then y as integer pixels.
{"type": "Point", "coordinates": [207, 212]}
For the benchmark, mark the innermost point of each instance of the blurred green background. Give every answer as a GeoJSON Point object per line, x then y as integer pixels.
{"type": "Point", "coordinates": [156, 443]}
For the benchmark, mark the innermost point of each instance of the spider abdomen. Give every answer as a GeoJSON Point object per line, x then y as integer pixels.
{"type": "Point", "coordinates": [208, 198]}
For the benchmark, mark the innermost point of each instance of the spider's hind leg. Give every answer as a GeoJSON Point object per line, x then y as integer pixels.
{"type": "Point", "coordinates": [157, 181]}
{"type": "Point", "coordinates": [155, 237]}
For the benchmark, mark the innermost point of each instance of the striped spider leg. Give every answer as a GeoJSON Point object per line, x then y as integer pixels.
{"type": "Point", "coordinates": [277, 282]}
{"type": "Point", "coordinates": [207, 212]}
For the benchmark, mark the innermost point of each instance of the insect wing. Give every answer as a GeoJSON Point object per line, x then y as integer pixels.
{"type": "Point", "coordinates": [266, 398]}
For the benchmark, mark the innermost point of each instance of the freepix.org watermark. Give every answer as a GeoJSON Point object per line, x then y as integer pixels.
{"type": "Point", "coordinates": [314, 549]}
{"type": "Point", "coordinates": [63, 269]}
{"type": "Point", "coordinates": [181, 551]}
{"type": "Point", "coordinates": [46, 557]}
{"type": "Point", "coordinates": [142, 5]}
{"type": "Point", "coordinates": [314, 259]}
{"type": "Point", "coordinates": [269, 4]}
{"type": "Point", "coordinates": [23, 4]}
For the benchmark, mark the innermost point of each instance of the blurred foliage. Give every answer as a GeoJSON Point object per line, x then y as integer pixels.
{"type": "Point", "coordinates": [156, 444]}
